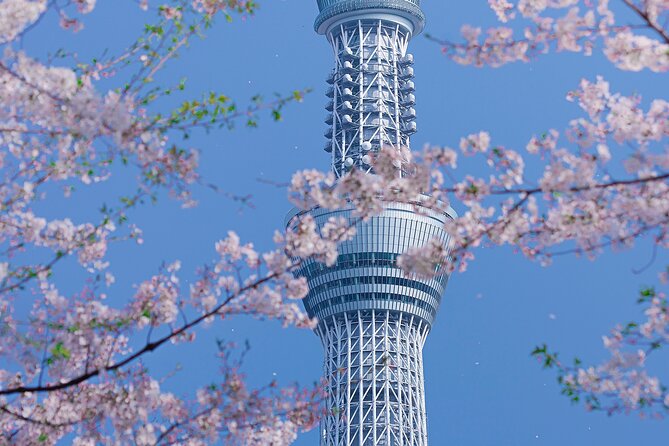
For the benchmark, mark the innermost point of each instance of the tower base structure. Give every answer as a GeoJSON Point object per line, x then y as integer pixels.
{"type": "Point", "coordinates": [374, 370]}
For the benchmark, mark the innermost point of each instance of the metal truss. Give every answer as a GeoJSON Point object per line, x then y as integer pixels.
{"type": "Point", "coordinates": [373, 319]}
{"type": "Point", "coordinates": [374, 373]}
{"type": "Point", "coordinates": [371, 93]}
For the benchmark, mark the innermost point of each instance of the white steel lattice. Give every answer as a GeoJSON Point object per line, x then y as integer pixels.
{"type": "Point", "coordinates": [374, 369]}
{"type": "Point", "coordinates": [372, 94]}
{"type": "Point", "coordinates": [373, 318]}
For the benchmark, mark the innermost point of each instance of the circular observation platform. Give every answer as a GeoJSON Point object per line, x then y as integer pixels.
{"type": "Point", "coordinates": [366, 275]}
{"type": "Point", "coordinates": [333, 12]}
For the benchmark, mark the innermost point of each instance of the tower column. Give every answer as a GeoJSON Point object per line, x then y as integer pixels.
{"type": "Point", "coordinates": [373, 322]}
{"type": "Point", "coordinates": [373, 385]}
{"type": "Point", "coordinates": [371, 93]}
{"type": "Point", "coordinates": [373, 319]}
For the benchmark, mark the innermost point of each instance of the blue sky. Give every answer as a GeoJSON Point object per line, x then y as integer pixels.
{"type": "Point", "coordinates": [482, 386]}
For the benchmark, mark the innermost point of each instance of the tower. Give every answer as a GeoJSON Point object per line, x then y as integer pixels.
{"type": "Point", "coordinates": [373, 318]}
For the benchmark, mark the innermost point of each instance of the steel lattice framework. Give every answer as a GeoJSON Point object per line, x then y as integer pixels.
{"type": "Point", "coordinates": [372, 94]}
{"type": "Point", "coordinates": [374, 369]}
{"type": "Point", "coordinates": [373, 318]}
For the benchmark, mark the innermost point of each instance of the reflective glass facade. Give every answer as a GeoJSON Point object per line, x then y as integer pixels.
{"type": "Point", "coordinates": [366, 275]}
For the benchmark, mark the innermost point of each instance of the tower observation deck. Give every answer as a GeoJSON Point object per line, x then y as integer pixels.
{"type": "Point", "coordinates": [373, 318]}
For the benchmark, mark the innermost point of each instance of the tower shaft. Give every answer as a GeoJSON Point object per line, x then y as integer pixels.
{"type": "Point", "coordinates": [373, 318]}
{"type": "Point", "coordinates": [371, 93]}
{"type": "Point", "coordinates": [373, 322]}
{"type": "Point", "coordinates": [374, 371]}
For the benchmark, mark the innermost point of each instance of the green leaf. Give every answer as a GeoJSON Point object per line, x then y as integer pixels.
{"type": "Point", "coordinates": [646, 294]}
{"type": "Point", "coordinates": [59, 351]}
{"type": "Point", "coordinates": [539, 350]}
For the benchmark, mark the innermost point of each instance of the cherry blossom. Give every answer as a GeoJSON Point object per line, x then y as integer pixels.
{"type": "Point", "coordinates": [501, 8]}
{"type": "Point", "coordinates": [16, 15]}
{"type": "Point", "coordinates": [72, 366]}
{"type": "Point", "coordinates": [74, 361]}
{"type": "Point", "coordinates": [603, 185]}
{"type": "Point", "coordinates": [568, 25]}
{"type": "Point", "coordinates": [622, 383]}
{"type": "Point", "coordinates": [604, 182]}
{"type": "Point", "coordinates": [575, 205]}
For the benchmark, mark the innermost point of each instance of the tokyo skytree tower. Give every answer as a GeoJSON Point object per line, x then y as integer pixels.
{"type": "Point", "coordinates": [373, 318]}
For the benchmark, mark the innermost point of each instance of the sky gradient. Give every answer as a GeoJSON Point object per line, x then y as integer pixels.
{"type": "Point", "coordinates": [482, 386]}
